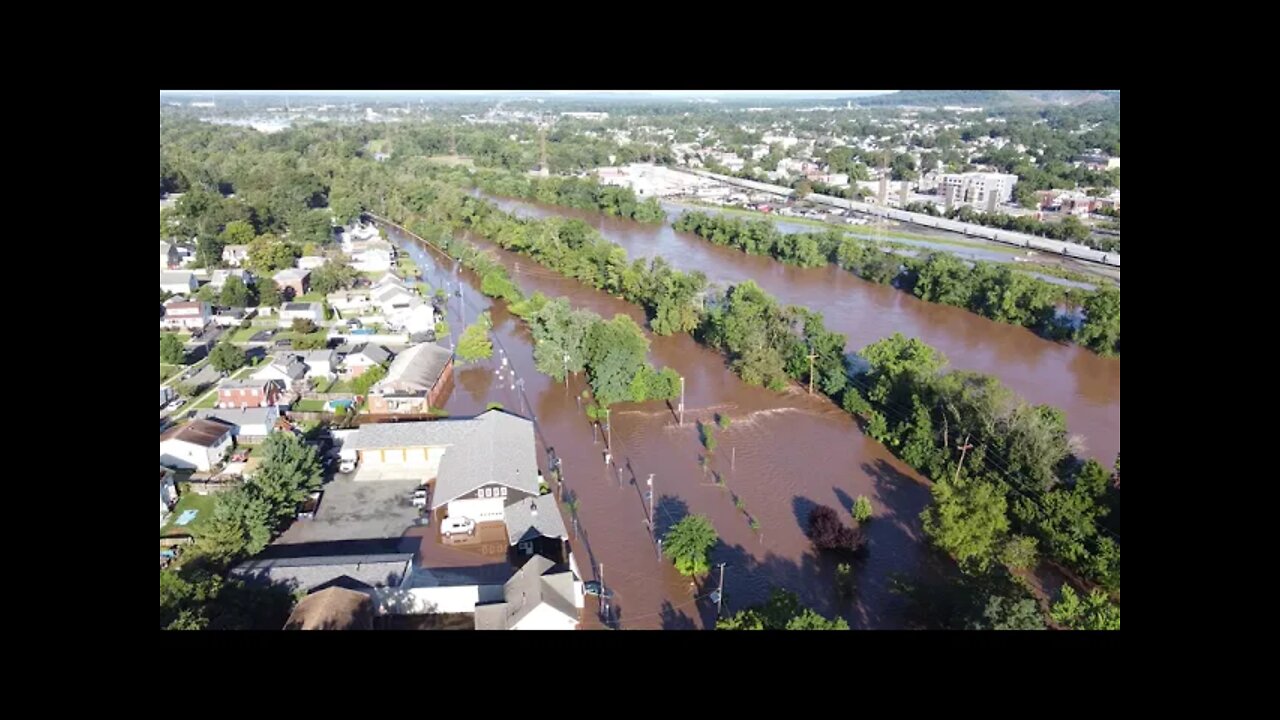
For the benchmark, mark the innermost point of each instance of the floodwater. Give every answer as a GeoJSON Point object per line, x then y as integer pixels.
{"type": "Point", "coordinates": [782, 454]}
{"type": "Point", "coordinates": [1081, 383]}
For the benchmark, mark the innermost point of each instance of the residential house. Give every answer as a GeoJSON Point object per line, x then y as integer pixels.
{"type": "Point", "coordinates": [542, 595]}
{"type": "Point", "coordinates": [178, 282]}
{"type": "Point", "coordinates": [388, 277]}
{"type": "Point", "coordinates": [362, 357]}
{"type": "Point", "coordinates": [419, 317]}
{"type": "Point", "coordinates": [218, 278]}
{"type": "Point", "coordinates": [373, 256]}
{"type": "Point", "coordinates": [299, 569]}
{"type": "Point", "coordinates": [391, 297]}
{"type": "Point", "coordinates": [253, 423]}
{"type": "Point", "coordinates": [534, 526]}
{"type": "Point", "coordinates": [414, 382]}
{"type": "Point", "coordinates": [321, 363]}
{"type": "Point", "coordinates": [349, 303]}
{"type": "Point", "coordinates": [200, 445]}
{"type": "Point", "coordinates": [295, 279]}
{"type": "Point", "coordinates": [169, 257]}
{"type": "Point", "coordinates": [168, 493]}
{"type": "Point", "coordinates": [310, 262]}
{"type": "Point", "coordinates": [185, 315]}
{"type": "Point", "coordinates": [291, 311]}
{"type": "Point", "coordinates": [333, 608]}
{"type": "Point", "coordinates": [248, 394]}
{"type": "Point", "coordinates": [228, 316]}
{"type": "Point", "coordinates": [286, 369]}
{"type": "Point", "coordinates": [235, 255]}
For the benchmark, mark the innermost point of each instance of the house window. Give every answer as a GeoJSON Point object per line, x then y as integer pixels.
{"type": "Point", "coordinates": [504, 491]}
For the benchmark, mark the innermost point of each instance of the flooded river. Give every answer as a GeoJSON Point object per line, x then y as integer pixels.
{"type": "Point", "coordinates": [1083, 384]}
{"type": "Point", "coordinates": [782, 454]}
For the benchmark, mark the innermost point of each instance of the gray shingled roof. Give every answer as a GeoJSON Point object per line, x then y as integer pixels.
{"type": "Point", "coordinates": [531, 586]}
{"type": "Point", "coordinates": [291, 274]}
{"type": "Point", "coordinates": [305, 573]}
{"type": "Point", "coordinates": [491, 574]}
{"type": "Point", "coordinates": [493, 448]}
{"type": "Point", "coordinates": [376, 353]}
{"type": "Point", "coordinates": [523, 524]}
{"type": "Point", "coordinates": [289, 365]}
{"type": "Point", "coordinates": [239, 416]}
{"type": "Point", "coordinates": [173, 277]}
{"type": "Point", "coordinates": [417, 369]}
{"type": "Point", "coordinates": [501, 450]}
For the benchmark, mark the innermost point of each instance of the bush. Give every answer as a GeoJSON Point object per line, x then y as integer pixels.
{"type": "Point", "coordinates": [828, 533]}
{"type": "Point", "coordinates": [722, 420]}
{"type": "Point", "coordinates": [844, 580]}
{"type": "Point", "coordinates": [862, 509]}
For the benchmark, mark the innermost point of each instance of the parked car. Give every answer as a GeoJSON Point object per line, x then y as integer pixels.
{"type": "Point", "coordinates": [458, 525]}
{"type": "Point", "coordinates": [174, 405]}
{"type": "Point", "coordinates": [347, 466]}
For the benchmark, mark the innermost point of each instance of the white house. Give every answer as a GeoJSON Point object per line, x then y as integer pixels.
{"type": "Point", "coordinates": [218, 278]}
{"type": "Point", "coordinates": [286, 369]}
{"type": "Point", "coordinates": [321, 363]}
{"type": "Point", "coordinates": [245, 422]}
{"type": "Point", "coordinates": [392, 297]}
{"type": "Point", "coordinates": [291, 311]}
{"type": "Point", "coordinates": [417, 318]}
{"type": "Point", "coordinates": [200, 445]}
{"type": "Point", "coordinates": [235, 255]}
{"type": "Point", "coordinates": [350, 301]}
{"type": "Point", "coordinates": [168, 493]}
{"type": "Point", "coordinates": [540, 596]}
{"type": "Point", "coordinates": [178, 282]}
{"type": "Point", "coordinates": [185, 315]}
{"type": "Point", "coordinates": [372, 256]}
{"type": "Point", "coordinates": [310, 262]}
{"type": "Point", "coordinates": [361, 358]}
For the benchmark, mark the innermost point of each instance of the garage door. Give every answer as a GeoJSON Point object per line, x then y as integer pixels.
{"type": "Point", "coordinates": [395, 457]}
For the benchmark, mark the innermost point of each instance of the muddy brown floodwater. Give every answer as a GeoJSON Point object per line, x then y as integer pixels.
{"type": "Point", "coordinates": [782, 454]}
{"type": "Point", "coordinates": [1084, 385]}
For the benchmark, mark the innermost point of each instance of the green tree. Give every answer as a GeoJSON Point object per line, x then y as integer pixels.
{"type": "Point", "coordinates": [238, 232]}
{"type": "Point", "coordinates": [1092, 612]}
{"type": "Point", "coordinates": [332, 276]}
{"type": "Point", "coordinates": [227, 358]}
{"type": "Point", "coordinates": [290, 470]}
{"type": "Point", "coordinates": [269, 254]}
{"type": "Point", "coordinates": [475, 344]}
{"type": "Point", "coordinates": [442, 328]}
{"type": "Point", "coordinates": [367, 379]}
{"type": "Point", "coordinates": [1006, 613]}
{"type": "Point", "coordinates": [862, 509]}
{"type": "Point", "coordinates": [689, 545]}
{"type": "Point", "coordinates": [968, 520]}
{"type": "Point", "coordinates": [616, 352]}
{"type": "Point", "coordinates": [1019, 553]}
{"type": "Point", "coordinates": [783, 611]}
{"type": "Point", "coordinates": [269, 294]}
{"type": "Point", "coordinates": [235, 293]}
{"type": "Point", "coordinates": [240, 524]}
{"type": "Point", "coordinates": [1101, 329]}
{"type": "Point", "coordinates": [171, 350]}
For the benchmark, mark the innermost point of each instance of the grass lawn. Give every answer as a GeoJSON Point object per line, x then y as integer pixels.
{"type": "Point", "coordinates": [167, 371]}
{"type": "Point", "coordinates": [340, 386]}
{"type": "Point", "coordinates": [209, 402]}
{"type": "Point", "coordinates": [190, 501]}
{"type": "Point", "coordinates": [309, 405]}
{"type": "Point", "coordinates": [312, 296]}
{"type": "Point", "coordinates": [243, 334]}
{"type": "Point", "coordinates": [406, 266]}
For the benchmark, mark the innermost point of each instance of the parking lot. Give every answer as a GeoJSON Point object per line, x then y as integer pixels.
{"type": "Point", "coordinates": [353, 510]}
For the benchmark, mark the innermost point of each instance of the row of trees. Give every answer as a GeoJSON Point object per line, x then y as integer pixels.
{"type": "Point", "coordinates": [993, 290]}
{"type": "Point", "coordinates": [580, 193]}
{"type": "Point", "coordinates": [198, 595]}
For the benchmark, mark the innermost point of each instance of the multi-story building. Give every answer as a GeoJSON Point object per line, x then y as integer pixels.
{"type": "Point", "coordinates": [976, 188]}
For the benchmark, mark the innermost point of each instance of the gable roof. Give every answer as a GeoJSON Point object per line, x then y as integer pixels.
{"type": "Point", "coordinates": [202, 432]}
{"type": "Point", "coordinates": [173, 277]}
{"type": "Point", "coordinates": [308, 572]}
{"type": "Point", "coordinates": [534, 517]}
{"type": "Point", "coordinates": [289, 365]}
{"type": "Point", "coordinates": [241, 416]}
{"type": "Point", "coordinates": [539, 582]}
{"type": "Point", "coordinates": [375, 353]}
{"type": "Point", "coordinates": [290, 275]}
{"type": "Point", "coordinates": [500, 450]}
{"type": "Point", "coordinates": [417, 369]}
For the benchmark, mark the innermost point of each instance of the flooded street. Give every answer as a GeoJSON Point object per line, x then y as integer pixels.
{"type": "Point", "coordinates": [782, 454]}
{"type": "Point", "coordinates": [1081, 383]}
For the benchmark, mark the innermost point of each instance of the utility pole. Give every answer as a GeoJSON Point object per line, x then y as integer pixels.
{"type": "Point", "coordinates": [608, 432]}
{"type": "Point", "coordinates": [963, 449]}
{"type": "Point", "coordinates": [811, 357]}
{"type": "Point", "coordinates": [720, 592]}
{"type": "Point", "coordinates": [603, 597]}
{"type": "Point", "coordinates": [653, 526]}
{"type": "Point", "coordinates": [566, 371]}
{"type": "Point", "coordinates": [681, 401]}
{"type": "Point", "coordinates": [733, 458]}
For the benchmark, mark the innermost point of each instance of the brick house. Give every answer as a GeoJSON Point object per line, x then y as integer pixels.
{"type": "Point", "coordinates": [414, 382]}
{"type": "Point", "coordinates": [248, 394]}
{"type": "Point", "coordinates": [293, 278]}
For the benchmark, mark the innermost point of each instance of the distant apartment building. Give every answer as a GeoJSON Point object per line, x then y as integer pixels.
{"type": "Point", "coordinates": [975, 188]}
